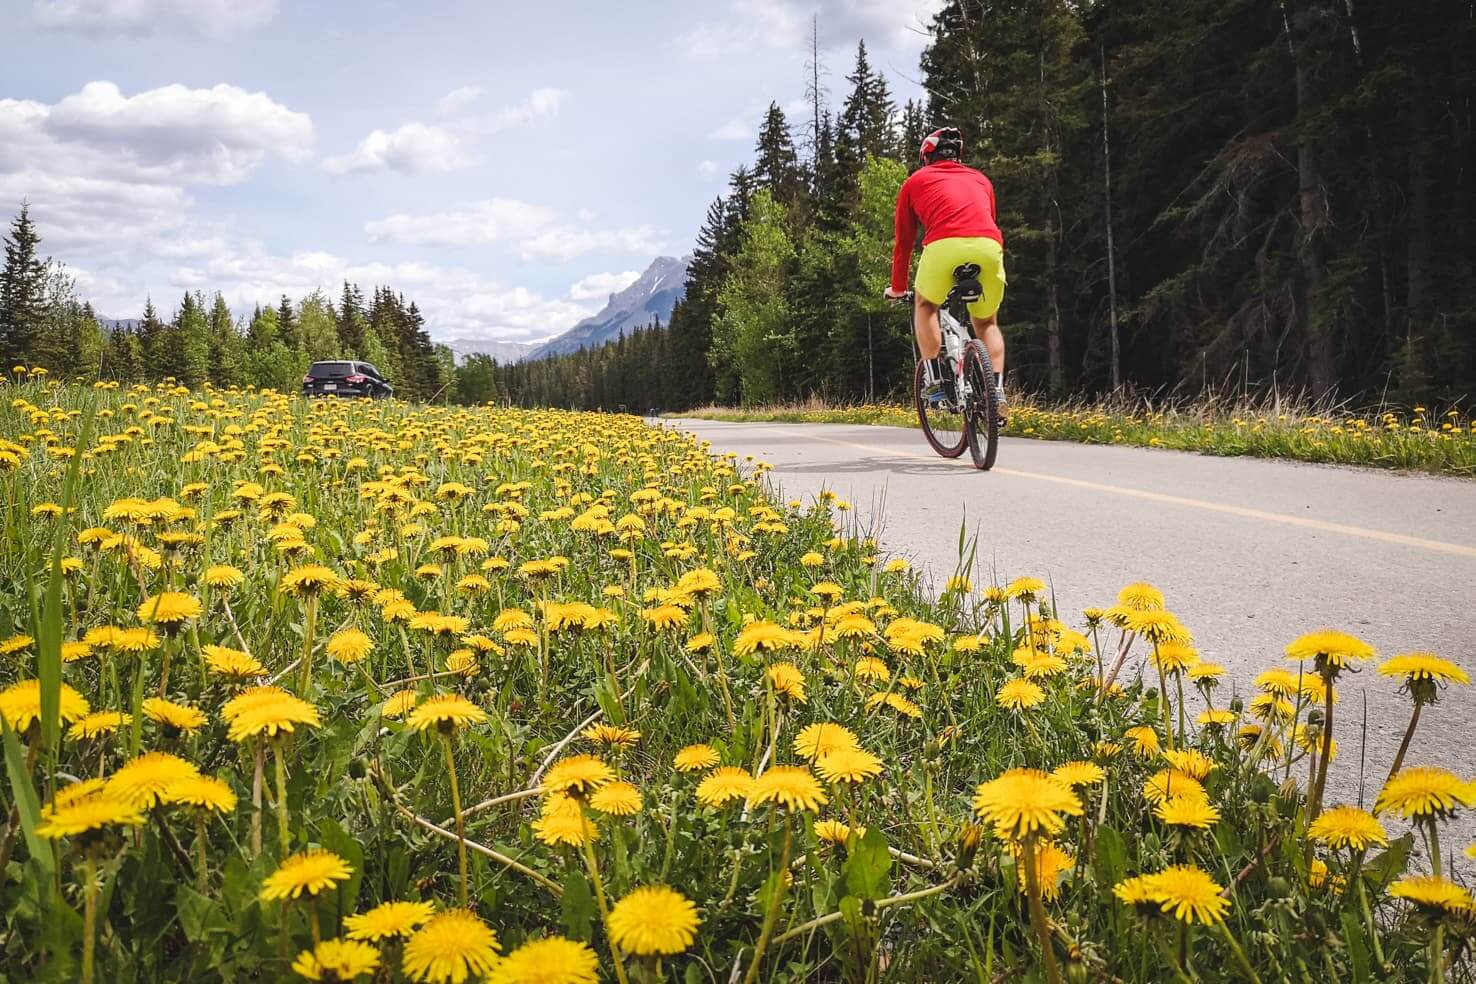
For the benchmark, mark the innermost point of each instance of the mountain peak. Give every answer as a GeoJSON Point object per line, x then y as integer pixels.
{"type": "Point", "coordinates": [649, 298]}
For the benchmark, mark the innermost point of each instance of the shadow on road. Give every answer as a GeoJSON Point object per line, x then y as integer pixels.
{"type": "Point", "coordinates": [896, 466]}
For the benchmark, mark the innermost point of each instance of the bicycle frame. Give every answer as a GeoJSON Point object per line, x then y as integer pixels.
{"type": "Point", "coordinates": [955, 337]}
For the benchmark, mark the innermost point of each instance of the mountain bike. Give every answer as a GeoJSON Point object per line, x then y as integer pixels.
{"type": "Point", "coordinates": [967, 418]}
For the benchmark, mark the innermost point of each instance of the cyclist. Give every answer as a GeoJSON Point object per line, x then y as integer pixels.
{"type": "Point", "coordinates": [955, 204]}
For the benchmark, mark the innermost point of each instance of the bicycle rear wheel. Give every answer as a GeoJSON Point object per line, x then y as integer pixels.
{"type": "Point", "coordinates": [943, 428]}
{"type": "Point", "coordinates": [981, 415]}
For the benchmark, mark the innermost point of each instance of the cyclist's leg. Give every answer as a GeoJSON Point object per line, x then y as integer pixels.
{"type": "Point", "coordinates": [987, 331]}
{"type": "Point", "coordinates": [984, 313]}
{"type": "Point", "coordinates": [925, 326]}
{"type": "Point", "coordinates": [930, 289]}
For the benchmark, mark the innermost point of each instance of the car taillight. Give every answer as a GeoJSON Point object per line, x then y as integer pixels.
{"type": "Point", "coordinates": [306, 380]}
{"type": "Point", "coordinates": [356, 378]}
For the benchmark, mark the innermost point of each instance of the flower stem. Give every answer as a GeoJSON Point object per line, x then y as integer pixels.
{"type": "Point", "coordinates": [89, 915]}
{"type": "Point", "coordinates": [1414, 719]}
{"type": "Point", "coordinates": [283, 836]}
{"type": "Point", "coordinates": [1240, 957]}
{"type": "Point", "coordinates": [460, 823]}
{"type": "Point", "coordinates": [309, 625]}
{"type": "Point", "coordinates": [256, 784]}
{"type": "Point", "coordinates": [599, 887]}
{"type": "Point", "coordinates": [1037, 911]}
{"type": "Point", "coordinates": [202, 864]}
{"type": "Point", "coordinates": [1315, 806]}
{"type": "Point", "coordinates": [771, 915]}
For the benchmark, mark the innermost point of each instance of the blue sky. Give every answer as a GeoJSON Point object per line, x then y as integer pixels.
{"type": "Point", "coordinates": [506, 165]}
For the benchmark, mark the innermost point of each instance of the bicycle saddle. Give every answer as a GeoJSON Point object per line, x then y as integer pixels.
{"type": "Point", "coordinates": [966, 285]}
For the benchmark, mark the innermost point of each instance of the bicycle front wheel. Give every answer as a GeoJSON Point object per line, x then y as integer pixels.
{"type": "Point", "coordinates": [943, 427]}
{"type": "Point", "coordinates": [981, 415]}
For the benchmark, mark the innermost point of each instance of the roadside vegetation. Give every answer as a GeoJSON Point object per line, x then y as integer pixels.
{"type": "Point", "coordinates": [1415, 438]}
{"type": "Point", "coordinates": [349, 691]}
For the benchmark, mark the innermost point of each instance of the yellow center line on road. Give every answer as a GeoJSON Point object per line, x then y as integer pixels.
{"type": "Point", "coordinates": [1244, 512]}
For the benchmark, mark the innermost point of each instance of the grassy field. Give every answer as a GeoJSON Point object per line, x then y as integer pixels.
{"type": "Point", "coordinates": [352, 691]}
{"type": "Point", "coordinates": [1444, 443]}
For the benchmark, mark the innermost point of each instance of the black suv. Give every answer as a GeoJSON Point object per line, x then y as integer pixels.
{"type": "Point", "coordinates": [345, 379]}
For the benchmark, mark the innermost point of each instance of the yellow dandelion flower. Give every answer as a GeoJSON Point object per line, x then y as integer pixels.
{"type": "Point", "coordinates": [1347, 827]}
{"type": "Point", "coordinates": [446, 713]}
{"type": "Point", "coordinates": [305, 873]}
{"type": "Point", "coordinates": [852, 765]}
{"type": "Point", "coordinates": [336, 960]}
{"type": "Point", "coordinates": [1021, 802]}
{"type": "Point", "coordinates": [388, 920]}
{"type": "Point", "coordinates": [350, 645]}
{"type": "Point", "coordinates": [577, 775]}
{"type": "Point", "coordinates": [790, 786]}
{"type": "Point", "coordinates": [452, 947]}
{"type": "Point", "coordinates": [618, 798]}
{"type": "Point", "coordinates": [654, 920]}
{"type": "Point", "coordinates": [553, 960]}
{"type": "Point", "coordinates": [145, 780]}
{"type": "Point", "coordinates": [1018, 694]}
{"type": "Point", "coordinates": [1423, 791]}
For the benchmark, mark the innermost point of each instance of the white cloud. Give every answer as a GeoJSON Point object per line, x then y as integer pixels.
{"type": "Point", "coordinates": [102, 18]}
{"type": "Point", "coordinates": [425, 148]}
{"type": "Point", "coordinates": [732, 130]}
{"type": "Point", "coordinates": [415, 148]}
{"type": "Point", "coordinates": [566, 242]}
{"type": "Point", "coordinates": [457, 100]}
{"type": "Point", "coordinates": [598, 286]}
{"type": "Point", "coordinates": [537, 231]}
{"type": "Point", "coordinates": [493, 220]}
{"type": "Point", "coordinates": [707, 168]}
{"type": "Point", "coordinates": [106, 174]}
{"type": "Point", "coordinates": [537, 105]}
{"type": "Point", "coordinates": [210, 136]}
{"type": "Point", "coordinates": [786, 25]}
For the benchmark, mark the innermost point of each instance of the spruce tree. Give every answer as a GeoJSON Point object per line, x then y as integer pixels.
{"type": "Point", "coordinates": [777, 167]}
{"type": "Point", "coordinates": [22, 292]}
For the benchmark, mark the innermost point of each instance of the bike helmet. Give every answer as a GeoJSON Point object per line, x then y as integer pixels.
{"type": "Point", "coordinates": [941, 145]}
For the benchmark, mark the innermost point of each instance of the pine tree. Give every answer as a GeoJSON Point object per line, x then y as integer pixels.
{"type": "Point", "coordinates": [189, 350]}
{"type": "Point", "coordinates": [153, 343]}
{"type": "Point", "coordinates": [866, 124]}
{"type": "Point", "coordinates": [22, 291]}
{"type": "Point", "coordinates": [227, 354]}
{"type": "Point", "coordinates": [777, 167]}
{"type": "Point", "coordinates": [287, 325]}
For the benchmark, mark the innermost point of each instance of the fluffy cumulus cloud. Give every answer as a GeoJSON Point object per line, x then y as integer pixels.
{"type": "Point", "coordinates": [99, 163]}
{"type": "Point", "coordinates": [415, 148]}
{"type": "Point", "coordinates": [103, 18]}
{"type": "Point", "coordinates": [537, 232]}
{"type": "Point", "coordinates": [443, 147]}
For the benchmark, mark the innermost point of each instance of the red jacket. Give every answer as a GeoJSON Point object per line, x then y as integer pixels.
{"type": "Point", "coordinates": [951, 200]}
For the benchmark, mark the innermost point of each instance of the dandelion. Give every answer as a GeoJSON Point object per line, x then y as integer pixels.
{"type": "Point", "coordinates": [1347, 827]}
{"type": "Point", "coordinates": [20, 705]}
{"type": "Point", "coordinates": [577, 775]}
{"type": "Point", "coordinates": [1023, 802]}
{"type": "Point", "coordinates": [553, 960]}
{"type": "Point", "coordinates": [336, 960]}
{"type": "Point", "coordinates": [851, 765]}
{"type": "Point", "coordinates": [562, 823]}
{"type": "Point", "coordinates": [618, 798]}
{"type": "Point", "coordinates": [789, 786]}
{"type": "Point", "coordinates": [305, 873]}
{"type": "Point", "coordinates": [388, 920]}
{"type": "Point", "coordinates": [1074, 774]}
{"type": "Point", "coordinates": [450, 948]}
{"type": "Point", "coordinates": [1187, 811]}
{"type": "Point", "coordinates": [1424, 675]}
{"type": "Point", "coordinates": [694, 758]}
{"type": "Point", "coordinates": [723, 785]}
{"type": "Point", "coordinates": [145, 780]}
{"type": "Point", "coordinates": [349, 646]}
{"type": "Point", "coordinates": [654, 920]}
{"type": "Point", "coordinates": [1019, 694]}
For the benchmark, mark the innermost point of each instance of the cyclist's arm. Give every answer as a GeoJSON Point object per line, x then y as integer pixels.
{"type": "Point", "coordinates": [906, 232]}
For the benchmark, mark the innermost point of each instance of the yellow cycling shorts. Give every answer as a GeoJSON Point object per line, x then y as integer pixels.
{"type": "Point", "coordinates": [940, 257]}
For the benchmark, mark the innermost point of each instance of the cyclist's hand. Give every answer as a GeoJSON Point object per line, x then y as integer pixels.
{"type": "Point", "coordinates": [894, 295]}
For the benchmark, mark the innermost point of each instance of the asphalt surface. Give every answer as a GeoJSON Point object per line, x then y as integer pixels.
{"type": "Point", "coordinates": [1249, 554]}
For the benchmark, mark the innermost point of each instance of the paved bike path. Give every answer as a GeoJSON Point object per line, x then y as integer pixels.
{"type": "Point", "coordinates": [1250, 553]}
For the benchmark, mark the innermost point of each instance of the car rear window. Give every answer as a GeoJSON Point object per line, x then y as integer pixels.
{"type": "Point", "coordinates": [330, 370]}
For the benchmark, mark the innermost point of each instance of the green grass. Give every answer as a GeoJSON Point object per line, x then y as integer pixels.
{"type": "Point", "coordinates": [1404, 439]}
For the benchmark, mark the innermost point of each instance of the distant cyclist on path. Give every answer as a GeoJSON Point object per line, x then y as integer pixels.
{"type": "Point", "coordinates": [955, 205]}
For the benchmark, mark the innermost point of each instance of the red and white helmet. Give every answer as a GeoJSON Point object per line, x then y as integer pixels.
{"type": "Point", "coordinates": [941, 145]}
